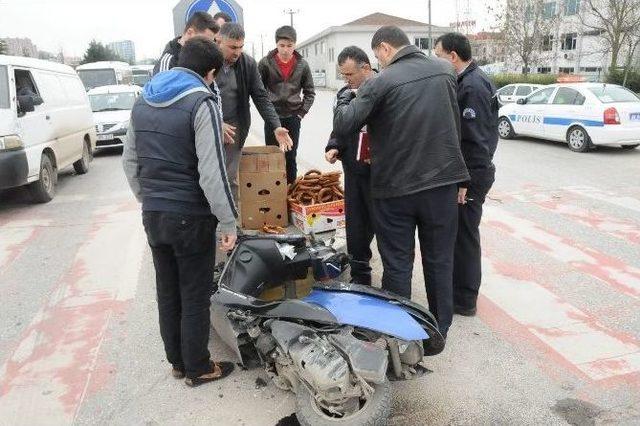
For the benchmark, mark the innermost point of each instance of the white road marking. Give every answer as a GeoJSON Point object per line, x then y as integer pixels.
{"type": "Point", "coordinates": [571, 333]}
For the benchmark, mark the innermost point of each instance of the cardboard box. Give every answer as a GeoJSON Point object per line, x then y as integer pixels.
{"type": "Point", "coordinates": [263, 187]}
{"type": "Point", "coordinates": [318, 217]}
{"type": "Point", "coordinates": [257, 159]}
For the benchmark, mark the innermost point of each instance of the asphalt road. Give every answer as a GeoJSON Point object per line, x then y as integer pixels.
{"type": "Point", "coordinates": [556, 339]}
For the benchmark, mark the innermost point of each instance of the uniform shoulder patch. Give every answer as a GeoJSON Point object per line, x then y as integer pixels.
{"type": "Point", "coordinates": [469, 113]}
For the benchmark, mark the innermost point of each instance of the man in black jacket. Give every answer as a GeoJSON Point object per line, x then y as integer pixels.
{"type": "Point", "coordinates": [200, 24]}
{"type": "Point", "coordinates": [411, 113]}
{"type": "Point", "coordinates": [356, 69]}
{"type": "Point", "coordinates": [479, 111]}
{"type": "Point", "coordinates": [285, 74]}
{"type": "Point", "coordinates": [238, 81]}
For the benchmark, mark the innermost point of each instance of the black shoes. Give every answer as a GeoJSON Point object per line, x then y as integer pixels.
{"type": "Point", "coordinates": [465, 312]}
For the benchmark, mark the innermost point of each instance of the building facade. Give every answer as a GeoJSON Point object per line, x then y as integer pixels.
{"type": "Point", "coordinates": [125, 49]}
{"type": "Point", "coordinates": [487, 47]}
{"type": "Point", "coordinates": [572, 46]}
{"type": "Point", "coordinates": [321, 51]}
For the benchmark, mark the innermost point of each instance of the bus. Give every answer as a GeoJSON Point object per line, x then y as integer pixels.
{"type": "Point", "coordinates": [105, 73]}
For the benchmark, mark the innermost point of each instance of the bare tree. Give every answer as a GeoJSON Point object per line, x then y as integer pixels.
{"type": "Point", "coordinates": [524, 25]}
{"type": "Point", "coordinates": [617, 22]}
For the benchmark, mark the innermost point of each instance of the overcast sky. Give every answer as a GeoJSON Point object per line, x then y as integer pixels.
{"type": "Point", "coordinates": [70, 24]}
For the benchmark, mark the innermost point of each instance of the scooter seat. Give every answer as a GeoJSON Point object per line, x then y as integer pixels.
{"type": "Point", "coordinates": [294, 240]}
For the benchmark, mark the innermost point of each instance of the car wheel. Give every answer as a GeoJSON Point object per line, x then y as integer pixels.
{"type": "Point", "coordinates": [44, 189]}
{"type": "Point", "coordinates": [578, 139]}
{"type": "Point", "coordinates": [505, 130]}
{"type": "Point", "coordinates": [82, 165]}
{"type": "Point", "coordinates": [630, 147]}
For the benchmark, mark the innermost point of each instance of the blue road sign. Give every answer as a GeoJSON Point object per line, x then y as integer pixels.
{"type": "Point", "coordinates": [212, 7]}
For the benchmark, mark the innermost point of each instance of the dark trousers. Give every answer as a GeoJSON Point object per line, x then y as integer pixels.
{"type": "Point", "coordinates": [435, 213]}
{"type": "Point", "coordinates": [467, 269]}
{"type": "Point", "coordinates": [360, 225]}
{"type": "Point", "coordinates": [183, 249]}
{"type": "Point", "coordinates": [292, 124]}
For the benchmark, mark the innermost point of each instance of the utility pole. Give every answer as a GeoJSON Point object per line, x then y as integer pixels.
{"type": "Point", "coordinates": [291, 12]}
{"type": "Point", "coordinates": [262, 45]}
{"type": "Point", "coordinates": [430, 36]}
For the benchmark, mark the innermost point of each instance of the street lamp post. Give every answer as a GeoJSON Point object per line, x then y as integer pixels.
{"type": "Point", "coordinates": [291, 12]}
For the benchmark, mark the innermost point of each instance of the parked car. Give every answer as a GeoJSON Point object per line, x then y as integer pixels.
{"type": "Point", "coordinates": [582, 114]}
{"type": "Point", "coordinates": [512, 92]}
{"type": "Point", "coordinates": [45, 124]}
{"type": "Point", "coordinates": [111, 107]}
{"type": "Point", "coordinates": [141, 74]}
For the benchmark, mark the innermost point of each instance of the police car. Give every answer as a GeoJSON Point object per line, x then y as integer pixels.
{"type": "Point", "coordinates": [582, 114]}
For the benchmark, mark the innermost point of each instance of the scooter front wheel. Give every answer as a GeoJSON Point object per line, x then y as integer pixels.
{"type": "Point", "coordinates": [372, 412]}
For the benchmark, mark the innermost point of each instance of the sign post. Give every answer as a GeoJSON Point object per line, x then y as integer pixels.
{"type": "Point", "coordinates": [186, 8]}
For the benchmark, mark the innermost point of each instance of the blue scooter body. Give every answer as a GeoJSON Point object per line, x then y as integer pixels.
{"type": "Point", "coordinates": [362, 310]}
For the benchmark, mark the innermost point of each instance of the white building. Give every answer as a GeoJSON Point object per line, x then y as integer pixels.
{"type": "Point", "coordinates": [571, 47]}
{"type": "Point", "coordinates": [322, 50]}
{"type": "Point", "coordinates": [125, 49]}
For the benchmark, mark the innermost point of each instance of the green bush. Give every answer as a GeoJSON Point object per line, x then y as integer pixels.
{"type": "Point", "coordinates": [633, 79]}
{"type": "Point", "coordinates": [501, 80]}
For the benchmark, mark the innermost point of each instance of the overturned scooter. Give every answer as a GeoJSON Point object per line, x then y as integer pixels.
{"type": "Point", "coordinates": [336, 345]}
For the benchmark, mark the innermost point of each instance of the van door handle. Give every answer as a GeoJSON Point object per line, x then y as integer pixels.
{"type": "Point", "coordinates": [47, 117]}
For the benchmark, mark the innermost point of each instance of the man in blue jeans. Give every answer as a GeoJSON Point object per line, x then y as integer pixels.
{"type": "Point", "coordinates": [174, 162]}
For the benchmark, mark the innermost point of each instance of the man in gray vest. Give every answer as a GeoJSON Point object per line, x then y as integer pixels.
{"type": "Point", "coordinates": [174, 162]}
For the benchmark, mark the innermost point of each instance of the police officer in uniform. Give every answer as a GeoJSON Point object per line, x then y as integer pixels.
{"type": "Point", "coordinates": [478, 106]}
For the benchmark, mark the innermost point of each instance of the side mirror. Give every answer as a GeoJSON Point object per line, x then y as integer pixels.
{"type": "Point", "coordinates": [522, 101]}
{"type": "Point", "coordinates": [26, 104]}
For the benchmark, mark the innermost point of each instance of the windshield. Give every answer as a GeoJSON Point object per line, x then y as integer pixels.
{"type": "Point", "coordinates": [4, 87]}
{"type": "Point", "coordinates": [112, 101]}
{"type": "Point", "coordinates": [141, 80]}
{"type": "Point", "coordinates": [608, 94]}
{"type": "Point", "coordinates": [97, 78]}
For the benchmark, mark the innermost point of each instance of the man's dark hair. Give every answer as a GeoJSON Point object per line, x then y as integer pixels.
{"type": "Point", "coordinates": [200, 55]}
{"type": "Point", "coordinates": [455, 42]}
{"type": "Point", "coordinates": [390, 34]}
{"type": "Point", "coordinates": [202, 21]}
{"type": "Point", "coordinates": [225, 16]}
{"type": "Point", "coordinates": [232, 30]}
{"type": "Point", "coordinates": [358, 55]}
{"type": "Point", "coordinates": [287, 32]}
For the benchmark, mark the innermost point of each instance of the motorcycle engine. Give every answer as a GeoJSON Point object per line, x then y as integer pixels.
{"type": "Point", "coordinates": [321, 365]}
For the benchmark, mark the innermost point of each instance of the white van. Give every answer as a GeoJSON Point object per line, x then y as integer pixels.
{"type": "Point", "coordinates": [105, 73]}
{"type": "Point", "coordinates": [46, 124]}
